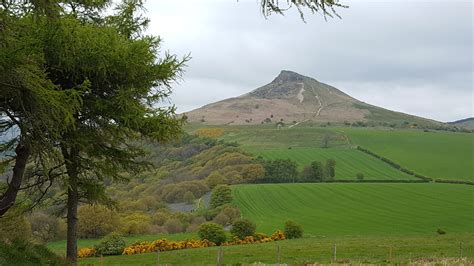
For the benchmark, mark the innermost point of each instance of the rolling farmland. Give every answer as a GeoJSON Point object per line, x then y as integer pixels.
{"type": "Point", "coordinates": [440, 155]}
{"type": "Point", "coordinates": [437, 154]}
{"type": "Point", "coordinates": [359, 209]}
{"type": "Point", "coordinates": [349, 162]}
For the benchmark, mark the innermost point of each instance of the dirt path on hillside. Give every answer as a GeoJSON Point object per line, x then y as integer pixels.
{"type": "Point", "coordinates": [320, 107]}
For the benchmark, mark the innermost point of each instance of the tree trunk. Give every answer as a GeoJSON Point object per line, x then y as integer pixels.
{"type": "Point", "coordinates": [71, 157]}
{"type": "Point", "coordinates": [72, 202]}
{"type": "Point", "coordinates": [8, 198]}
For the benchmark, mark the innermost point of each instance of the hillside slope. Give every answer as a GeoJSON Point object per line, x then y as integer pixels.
{"type": "Point", "coordinates": [293, 99]}
{"type": "Point", "coordinates": [467, 123]}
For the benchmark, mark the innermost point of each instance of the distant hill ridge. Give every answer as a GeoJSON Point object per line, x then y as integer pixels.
{"type": "Point", "coordinates": [293, 99]}
{"type": "Point", "coordinates": [467, 123]}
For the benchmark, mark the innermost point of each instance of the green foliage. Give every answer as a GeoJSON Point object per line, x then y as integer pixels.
{"type": "Point", "coordinates": [173, 226]}
{"type": "Point", "coordinates": [283, 170]}
{"type": "Point", "coordinates": [440, 231]}
{"type": "Point", "coordinates": [189, 197]}
{"type": "Point", "coordinates": [135, 223]}
{"type": "Point", "coordinates": [331, 168]}
{"type": "Point", "coordinates": [96, 221]}
{"type": "Point", "coordinates": [212, 232]}
{"type": "Point", "coordinates": [318, 171]}
{"type": "Point", "coordinates": [44, 227]}
{"type": "Point", "coordinates": [112, 244]}
{"type": "Point", "coordinates": [242, 228]}
{"type": "Point", "coordinates": [293, 230]}
{"type": "Point", "coordinates": [214, 179]}
{"type": "Point", "coordinates": [221, 195]}
{"type": "Point", "coordinates": [14, 227]}
{"type": "Point", "coordinates": [25, 253]}
{"type": "Point", "coordinates": [360, 176]}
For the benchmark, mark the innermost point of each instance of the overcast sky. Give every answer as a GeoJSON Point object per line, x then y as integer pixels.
{"type": "Point", "coordinates": [410, 56]}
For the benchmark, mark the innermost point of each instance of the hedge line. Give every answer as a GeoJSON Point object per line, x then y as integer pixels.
{"type": "Point", "coordinates": [285, 181]}
{"type": "Point", "coordinates": [454, 182]}
{"type": "Point", "coordinates": [394, 164]}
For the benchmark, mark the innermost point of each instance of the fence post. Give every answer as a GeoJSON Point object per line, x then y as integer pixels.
{"type": "Point", "coordinates": [220, 254]}
{"type": "Point", "coordinates": [334, 255]}
{"type": "Point", "coordinates": [278, 255]}
{"type": "Point", "coordinates": [158, 257]}
{"type": "Point", "coordinates": [390, 255]}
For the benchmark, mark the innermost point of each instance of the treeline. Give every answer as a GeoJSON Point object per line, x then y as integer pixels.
{"type": "Point", "coordinates": [394, 164]}
{"type": "Point", "coordinates": [286, 171]}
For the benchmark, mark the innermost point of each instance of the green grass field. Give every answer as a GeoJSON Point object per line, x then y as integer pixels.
{"type": "Point", "coordinates": [349, 162]}
{"type": "Point", "coordinates": [437, 154]}
{"type": "Point", "coordinates": [331, 209]}
{"type": "Point", "coordinates": [365, 249]}
{"type": "Point", "coordinates": [440, 155]}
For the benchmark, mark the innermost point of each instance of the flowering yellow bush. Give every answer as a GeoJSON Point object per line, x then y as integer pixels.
{"type": "Point", "coordinates": [257, 238]}
{"type": "Point", "coordinates": [86, 252]}
{"type": "Point", "coordinates": [168, 245]}
{"type": "Point", "coordinates": [165, 245]}
{"type": "Point", "coordinates": [278, 235]}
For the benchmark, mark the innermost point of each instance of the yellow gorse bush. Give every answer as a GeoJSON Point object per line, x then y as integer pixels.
{"type": "Point", "coordinates": [165, 245]}
{"type": "Point", "coordinates": [86, 252]}
{"type": "Point", "coordinates": [140, 247]}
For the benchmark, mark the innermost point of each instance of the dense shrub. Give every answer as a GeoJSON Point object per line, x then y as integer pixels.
{"type": "Point", "coordinates": [96, 221]}
{"type": "Point", "coordinates": [212, 232]}
{"type": "Point", "coordinates": [44, 227]}
{"type": "Point", "coordinates": [221, 219]}
{"type": "Point", "coordinates": [331, 168]}
{"type": "Point", "coordinates": [173, 226]}
{"type": "Point", "coordinates": [24, 253]}
{"type": "Point", "coordinates": [14, 228]}
{"type": "Point", "coordinates": [441, 231]}
{"type": "Point", "coordinates": [136, 224]}
{"type": "Point", "coordinates": [189, 197]}
{"type": "Point", "coordinates": [293, 230]}
{"type": "Point", "coordinates": [221, 195]}
{"type": "Point", "coordinates": [112, 244]}
{"type": "Point", "coordinates": [215, 179]}
{"type": "Point", "coordinates": [281, 170]}
{"type": "Point", "coordinates": [243, 228]}
{"type": "Point", "coordinates": [360, 176]}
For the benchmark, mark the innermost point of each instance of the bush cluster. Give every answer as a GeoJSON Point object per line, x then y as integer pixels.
{"type": "Point", "coordinates": [293, 230]}
{"type": "Point", "coordinates": [112, 244]}
{"type": "Point", "coordinates": [212, 232]}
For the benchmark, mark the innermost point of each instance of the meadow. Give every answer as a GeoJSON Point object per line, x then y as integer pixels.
{"type": "Point", "coordinates": [436, 154]}
{"type": "Point", "coordinates": [332, 209]}
{"type": "Point", "coordinates": [364, 249]}
{"type": "Point", "coordinates": [440, 155]}
{"type": "Point", "coordinates": [349, 161]}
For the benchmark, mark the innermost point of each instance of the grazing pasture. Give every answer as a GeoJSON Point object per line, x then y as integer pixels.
{"type": "Point", "coordinates": [440, 155]}
{"type": "Point", "coordinates": [443, 249]}
{"type": "Point", "coordinates": [331, 209]}
{"type": "Point", "coordinates": [349, 162]}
